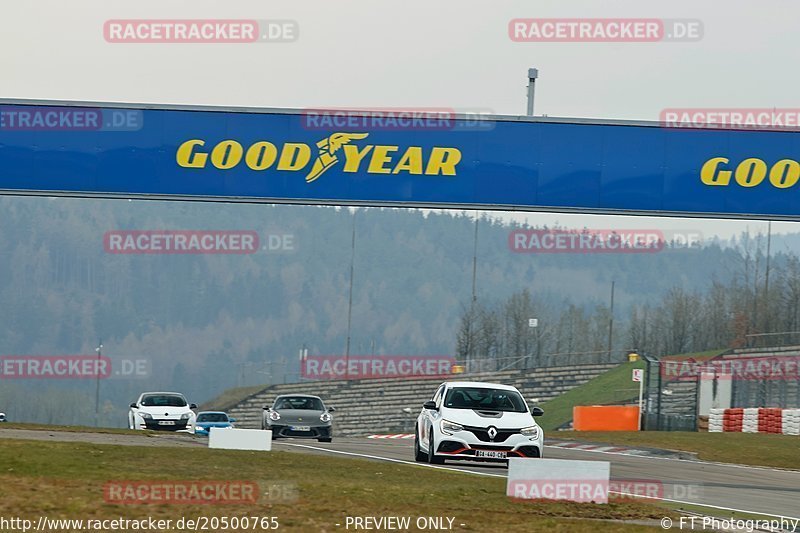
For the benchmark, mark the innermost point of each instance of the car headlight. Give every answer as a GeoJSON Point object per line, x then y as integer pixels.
{"type": "Point", "coordinates": [450, 427]}
{"type": "Point", "coordinates": [274, 415]}
{"type": "Point", "coordinates": [531, 432]}
{"type": "Point", "coordinates": [186, 416]}
{"type": "Point", "coordinates": [325, 417]}
{"type": "Point", "coordinates": [146, 416]}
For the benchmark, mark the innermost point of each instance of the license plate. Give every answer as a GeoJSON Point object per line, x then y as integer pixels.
{"type": "Point", "coordinates": [166, 422]}
{"type": "Point", "coordinates": [490, 454]}
{"type": "Point", "coordinates": [300, 428]}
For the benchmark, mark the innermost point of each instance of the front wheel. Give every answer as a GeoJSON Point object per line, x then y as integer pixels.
{"type": "Point", "coordinates": [432, 458]}
{"type": "Point", "coordinates": [418, 455]}
{"type": "Point", "coordinates": [325, 439]}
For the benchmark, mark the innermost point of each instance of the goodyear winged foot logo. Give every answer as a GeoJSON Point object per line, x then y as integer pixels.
{"type": "Point", "coordinates": [339, 148]}
{"type": "Point", "coordinates": [327, 150]}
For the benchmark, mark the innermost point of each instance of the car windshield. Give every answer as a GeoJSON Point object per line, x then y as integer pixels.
{"type": "Point", "coordinates": [164, 400]}
{"type": "Point", "coordinates": [212, 417]}
{"type": "Point", "coordinates": [299, 402]}
{"type": "Point", "coordinates": [487, 399]}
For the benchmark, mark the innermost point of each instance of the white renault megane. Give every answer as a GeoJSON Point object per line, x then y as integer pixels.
{"type": "Point", "coordinates": [162, 411]}
{"type": "Point", "coordinates": [477, 421]}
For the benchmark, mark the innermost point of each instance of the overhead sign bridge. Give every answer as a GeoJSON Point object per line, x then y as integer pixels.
{"type": "Point", "coordinates": [442, 161]}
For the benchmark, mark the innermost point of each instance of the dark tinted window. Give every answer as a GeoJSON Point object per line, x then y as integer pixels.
{"type": "Point", "coordinates": [485, 399]}
{"type": "Point", "coordinates": [299, 402]}
{"type": "Point", "coordinates": [164, 400]}
{"type": "Point", "coordinates": [212, 417]}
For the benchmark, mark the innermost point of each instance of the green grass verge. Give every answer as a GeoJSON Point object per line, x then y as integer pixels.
{"type": "Point", "coordinates": [231, 397]}
{"type": "Point", "coordinates": [74, 429]}
{"type": "Point", "coordinates": [614, 386]}
{"type": "Point", "coordinates": [609, 387]}
{"type": "Point", "coordinates": [756, 449]}
{"type": "Point", "coordinates": [66, 480]}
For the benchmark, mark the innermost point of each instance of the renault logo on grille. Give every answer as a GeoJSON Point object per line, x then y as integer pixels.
{"type": "Point", "coordinates": [492, 432]}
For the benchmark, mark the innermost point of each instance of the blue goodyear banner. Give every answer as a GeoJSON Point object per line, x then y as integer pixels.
{"type": "Point", "coordinates": [499, 163]}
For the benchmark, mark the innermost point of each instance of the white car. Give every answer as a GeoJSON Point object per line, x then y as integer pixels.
{"type": "Point", "coordinates": [162, 411]}
{"type": "Point", "coordinates": [477, 421]}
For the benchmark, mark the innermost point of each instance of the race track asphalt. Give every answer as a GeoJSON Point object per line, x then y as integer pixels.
{"type": "Point", "coordinates": [741, 488]}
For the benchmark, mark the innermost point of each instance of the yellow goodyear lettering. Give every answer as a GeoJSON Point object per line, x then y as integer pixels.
{"type": "Point", "coordinates": [294, 156]}
{"type": "Point", "coordinates": [261, 155]}
{"type": "Point", "coordinates": [711, 174]}
{"type": "Point", "coordinates": [226, 154]}
{"type": "Point", "coordinates": [750, 172]}
{"type": "Point", "coordinates": [371, 158]}
{"type": "Point", "coordinates": [443, 161]}
{"type": "Point", "coordinates": [187, 157]}
{"type": "Point", "coordinates": [784, 173]}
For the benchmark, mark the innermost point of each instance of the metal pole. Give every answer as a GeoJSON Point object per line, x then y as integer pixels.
{"type": "Point", "coordinates": [533, 73]}
{"type": "Point", "coordinates": [475, 261]}
{"type": "Point", "coordinates": [611, 321]}
{"type": "Point", "coordinates": [766, 278]}
{"type": "Point", "coordinates": [350, 301]}
{"type": "Point", "coordinates": [99, 351]}
{"type": "Point", "coordinates": [641, 393]}
{"type": "Point", "coordinates": [474, 294]}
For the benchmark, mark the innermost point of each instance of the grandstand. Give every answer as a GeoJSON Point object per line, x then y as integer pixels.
{"type": "Point", "coordinates": [374, 406]}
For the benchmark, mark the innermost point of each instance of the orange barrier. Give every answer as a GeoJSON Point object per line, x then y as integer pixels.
{"type": "Point", "coordinates": [605, 418]}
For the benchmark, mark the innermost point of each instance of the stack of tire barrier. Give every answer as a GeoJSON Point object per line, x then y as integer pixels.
{"type": "Point", "coordinates": [755, 420]}
{"type": "Point", "coordinates": [791, 421]}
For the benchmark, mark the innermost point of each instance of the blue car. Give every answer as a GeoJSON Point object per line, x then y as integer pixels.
{"type": "Point", "coordinates": [211, 419]}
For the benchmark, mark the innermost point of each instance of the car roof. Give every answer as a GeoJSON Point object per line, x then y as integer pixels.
{"type": "Point", "coordinates": [212, 413]}
{"type": "Point", "coordinates": [451, 384]}
{"type": "Point", "coordinates": [162, 392]}
{"type": "Point", "coordinates": [298, 396]}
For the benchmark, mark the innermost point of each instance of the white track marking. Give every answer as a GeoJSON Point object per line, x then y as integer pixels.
{"type": "Point", "coordinates": [693, 461]}
{"type": "Point", "coordinates": [705, 505]}
{"type": "Point", "coordinates": [389, 459]}
{"type": "Point", "coordinates": [414, 463]}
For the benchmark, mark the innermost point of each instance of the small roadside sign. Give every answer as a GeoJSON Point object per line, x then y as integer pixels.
{"type": "Point", "coordinates": [638, 374]}
{"type": "Point", "coordinates": [533, 322]}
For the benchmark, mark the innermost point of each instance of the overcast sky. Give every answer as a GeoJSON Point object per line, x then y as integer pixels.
{"type": "Point", "coordinates": [441, 53]}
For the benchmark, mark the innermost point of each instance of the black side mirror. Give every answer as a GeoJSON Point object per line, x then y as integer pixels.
{"type": "Point", "coordinates": [331, 409]}
{"type": "Point", "coordinates": [134, 405]}
{"type": "Point", "coordinates": [537, 411]}
{"type": "Point", "coordinates": [192, 406]}
{"type": "Point", "coordinates": [266, 408]}
{"type": "Point", "coordinates": [430, 404]}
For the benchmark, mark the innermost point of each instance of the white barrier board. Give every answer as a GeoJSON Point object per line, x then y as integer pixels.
{"type": "Point", "coordinates": [240, 439]}
{"type": "Point", "coordinates": [557, 479]}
